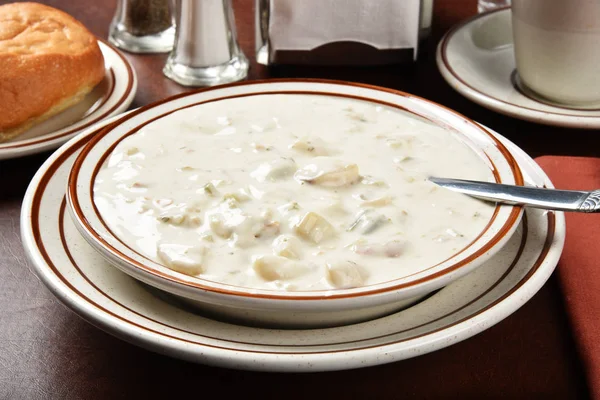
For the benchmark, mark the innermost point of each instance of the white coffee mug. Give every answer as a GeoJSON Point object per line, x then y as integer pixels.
{"type": "Point", "coordinates": [557, 49]}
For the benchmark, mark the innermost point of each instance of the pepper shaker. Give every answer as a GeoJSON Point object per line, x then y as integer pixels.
{"type": "Point", "coordinates": [206, 51]}
{"type": "Point", "coordinates": [143, 26]}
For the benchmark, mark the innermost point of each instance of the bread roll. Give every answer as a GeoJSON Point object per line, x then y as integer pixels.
{"type": "Point", "coordinates": [48, 61]}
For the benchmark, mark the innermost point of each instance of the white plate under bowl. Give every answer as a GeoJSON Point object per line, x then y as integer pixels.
{"type": "Point", "coordinates": [477, 59]}
{"type": "Point", "coordinates": [110, 97]}
{"type": "Point", "coordinates": [301, 308]}
{"type": "Point", "coordinates": [122, 306]}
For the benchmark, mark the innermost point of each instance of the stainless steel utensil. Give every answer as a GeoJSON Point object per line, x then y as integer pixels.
{"type": "Point", "coordinates": [549, 199]}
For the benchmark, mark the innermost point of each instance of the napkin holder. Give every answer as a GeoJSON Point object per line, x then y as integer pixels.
{"type": "Point", "coordinates": [329, 40]}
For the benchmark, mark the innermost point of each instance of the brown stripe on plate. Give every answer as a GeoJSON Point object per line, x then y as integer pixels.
{"type": "Point", "coordinates": [444, 56]}
{"type": "Point", "coordinates": [97, 107]}
{"type": "Point", "coordinates": [512, 219]}
{"type": "Point", "coordinates": [36, 231]}
{"type": "Point", "coordinates": [518, 255]}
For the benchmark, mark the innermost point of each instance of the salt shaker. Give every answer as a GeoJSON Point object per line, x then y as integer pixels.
{"type": "Point", "coordinates": [206, 51]}
{"type": "Point", "coordinates": [143, 26]}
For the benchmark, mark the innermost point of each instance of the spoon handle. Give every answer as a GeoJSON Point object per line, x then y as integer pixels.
{"type": "Point", "coordinates": [549, 199]}
{"type": "Point", "coordinates": [591, 203]}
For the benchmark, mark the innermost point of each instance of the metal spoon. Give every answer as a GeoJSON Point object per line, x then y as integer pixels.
{"type": "Point", "coordinates": [549, 199]}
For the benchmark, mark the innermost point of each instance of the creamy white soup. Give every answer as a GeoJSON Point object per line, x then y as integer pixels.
{"type": "Point", "coordinates": [292, 192]}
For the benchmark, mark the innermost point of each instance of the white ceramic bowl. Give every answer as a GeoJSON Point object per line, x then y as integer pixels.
{"type": "Point", "coordinates": [297, 309]}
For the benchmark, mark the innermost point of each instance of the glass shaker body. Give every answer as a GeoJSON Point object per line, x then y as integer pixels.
{"type": "Point", "coordinates": [143, 26]}
{"type": "Point", "coordinates": [206, 51]}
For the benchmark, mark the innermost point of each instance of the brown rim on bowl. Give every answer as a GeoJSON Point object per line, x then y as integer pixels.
{"type": "Point", "coordinates": [105, 114]}
{"type": "Point", "coordinates": [512, 219]}
{"type": "Point", "coordinates": [107, 153]}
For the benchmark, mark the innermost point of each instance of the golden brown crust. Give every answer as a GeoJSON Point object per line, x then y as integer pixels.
{"type": "Point", "coordinates": [47, 60]}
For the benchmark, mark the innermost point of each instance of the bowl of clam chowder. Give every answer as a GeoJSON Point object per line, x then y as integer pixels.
{"type": "Point", "coordinates": [292, 203]}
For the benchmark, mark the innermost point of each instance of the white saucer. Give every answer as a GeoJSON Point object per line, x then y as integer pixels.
{"type": "Point", "coordinates": [120, 305]}
{"type": "Point", "coordinates": [112, 96]}
{"type": "Point", "coordinates": [476, 58]}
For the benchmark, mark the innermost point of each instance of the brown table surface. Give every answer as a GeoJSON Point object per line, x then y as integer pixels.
{"type": "Point", "coordinates": [46, 351]}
